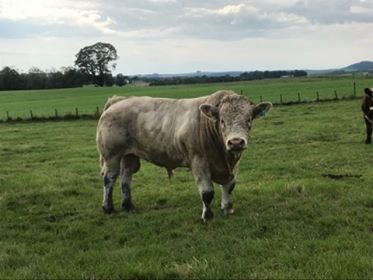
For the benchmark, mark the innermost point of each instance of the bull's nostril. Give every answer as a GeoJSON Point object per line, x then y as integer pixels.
{"type": "Point", "coordinates": [236, 143]}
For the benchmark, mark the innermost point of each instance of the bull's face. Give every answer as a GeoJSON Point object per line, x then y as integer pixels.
{"type": "Point", "coordinates": [235, 115]}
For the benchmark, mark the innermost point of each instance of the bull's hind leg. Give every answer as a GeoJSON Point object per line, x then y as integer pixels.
{"type": "Point", "coordinates": [110, 174]}
{"type": "Point", "coordinates": [130, 165]}
{"type": "Point", "coordinates": [369, 132]}
{"type": "Point", "coordinates": [226, 197]}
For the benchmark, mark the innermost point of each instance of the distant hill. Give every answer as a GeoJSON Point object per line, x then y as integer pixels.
{"type": "Point", "coordinates": [360, 66]}
{"type": "Point", "coordinates": [363, 66]}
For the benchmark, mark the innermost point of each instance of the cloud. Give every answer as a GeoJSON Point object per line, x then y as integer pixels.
{"type": "Point", "coordinates": [48, 18]}
{"type": "Point", "coordinates": [218, 19]}
{"type": "Point", "coordinates": [187, 35]}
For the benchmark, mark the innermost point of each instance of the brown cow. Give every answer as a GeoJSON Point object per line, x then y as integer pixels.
{"type": "Point", "coordinates": [206, 134]}
{"type": "Point", "coordinates": [367, 108]}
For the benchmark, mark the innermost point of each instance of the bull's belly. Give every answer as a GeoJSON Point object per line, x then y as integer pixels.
{"type": "Point", "coordinates": [162, 158]}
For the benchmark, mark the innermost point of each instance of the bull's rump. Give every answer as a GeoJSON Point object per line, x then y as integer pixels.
{"type": "Point", "coordinates": [155, 129]}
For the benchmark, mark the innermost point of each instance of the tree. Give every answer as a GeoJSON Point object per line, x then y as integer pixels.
{"type": "Point", "coordinates": [120, 80]}
{"type": "Point", "coordinates": [96, 60]}
{"type": "Point", "coordinates": [36, 78]}
{"type": "Point", "coordinates": [10, 79]}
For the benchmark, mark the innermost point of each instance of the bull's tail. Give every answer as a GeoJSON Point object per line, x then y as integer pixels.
{"type": "Point", "coordinates": [112, 100]}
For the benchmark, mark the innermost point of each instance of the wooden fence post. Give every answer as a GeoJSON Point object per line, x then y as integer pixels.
{"type": "Point", "coordinates": [299, 97]}
{"type": "Point", "coordinates": [241, 92]}
{"type": "Point", "coordinates": [335, 93]}
{"type": "Point", "coordinates": [55, 113]}
{"type": "Point", "coordinates": [261, 98]}
{"type": "Point", "coordinates": [7, 116]}
{"type": "Point", "coordinates": [31, 115]}
{"type": "Point", "coordinates": [317, 96]}
{"type": "Point", "coordinates": [281, 98]}
{"type": "Point", "coordinates": [76, 113]}
{"type": "Point", "coordinates": [354, 89]}
{"type": "Point", "coordinates": [97, 111]}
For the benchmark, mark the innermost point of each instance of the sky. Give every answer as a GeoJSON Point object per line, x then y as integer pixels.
{"type": "Point", "coordinates": [180, 36]}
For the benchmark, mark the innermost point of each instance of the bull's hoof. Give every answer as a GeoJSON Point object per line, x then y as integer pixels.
{"type": "Point", "coordinates": [227, 211]}
{"type": "Point", "coordinates": [208, 215]}
{"type": "Point", "coordinates": [108, 209]}
{"type": "Point", "coordinates": [128, 206]}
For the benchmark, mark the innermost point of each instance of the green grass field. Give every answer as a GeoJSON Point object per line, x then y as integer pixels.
{"type": "Point", "coordinates": [44, 102]}
{"type": "Point", "coordinates": [304, 200]}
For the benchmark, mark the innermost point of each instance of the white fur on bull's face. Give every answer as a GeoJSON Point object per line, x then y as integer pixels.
{"type": "Point", "coordinates": [235, 118]}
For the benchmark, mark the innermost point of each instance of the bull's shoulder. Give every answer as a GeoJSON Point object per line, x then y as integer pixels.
{"type": "Point", "coordinates": [217, 96]}
{"type": "Point", "coordinates": [112, 100]}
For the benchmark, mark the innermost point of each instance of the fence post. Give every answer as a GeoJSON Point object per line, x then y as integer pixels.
{"type": "Point", "coordinates": [7, 116]}
{"type": "Point", "coordinates": [31, 115]}
{"type": "Point", "coordinates": [317, 96]}
{"type": "Point", "coordinates": [55, 113]}
{"type": "Point", "coordinates": [281, 98]}
{"type": "Point", "coordinates": [241, 92]}
{"type": "Point", "coordinates": [335, 93]}
{"type": "Point", "coordinates": [97, 111]}
{"type": "Point", "coordinates": [354, 89]}
{"type": "Point", "coordinates": [299, 97]}
{"type": "Point", "coordinates": [261, 98]}
{"type": "Point", "coordinates": [76, 113]}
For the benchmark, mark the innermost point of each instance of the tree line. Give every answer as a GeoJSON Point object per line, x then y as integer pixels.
{"type": "Point", "coordinates": [246, 76]}
{"type": "Point", "coordinates": [92, 66]}
{"type": "Point", "coordinates": [66, 77]}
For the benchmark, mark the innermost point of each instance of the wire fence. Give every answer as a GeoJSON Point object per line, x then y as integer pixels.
{"type": "Point", "coordinates": [94, 114]}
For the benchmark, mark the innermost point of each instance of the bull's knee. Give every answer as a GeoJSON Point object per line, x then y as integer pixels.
{"type": "Point", "coordinates": [227, 200]}
{"type": "Point", "coordinates": [207, 198]}
{"type": "Point", "coordinates": [231, 188]}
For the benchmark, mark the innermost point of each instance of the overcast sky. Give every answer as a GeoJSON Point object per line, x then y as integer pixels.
{"type": "Point", "coordinates": [176, 36]}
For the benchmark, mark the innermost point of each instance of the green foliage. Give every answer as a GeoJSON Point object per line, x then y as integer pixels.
{"type": "Point", "coordinates": [94, 60]}
{"type": "Point", "coordinates": [303, 205]}
{"type": "Point", "coordinates": [67, 77]}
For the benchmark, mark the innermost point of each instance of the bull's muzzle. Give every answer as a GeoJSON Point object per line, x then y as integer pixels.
{"type": "Point", "coordinates": [236, 144]}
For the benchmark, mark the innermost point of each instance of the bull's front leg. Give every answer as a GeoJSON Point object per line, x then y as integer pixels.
{"type": "Point", "coordinates": [369, 132]}
{"type": "Point", "coordinates": [202, 177]}
{"type": "Point", "coordinates": [226, 197]}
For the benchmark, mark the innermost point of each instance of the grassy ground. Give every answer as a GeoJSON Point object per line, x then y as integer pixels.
{"type": "Point", "coordinates": [44, 102]}
{"type": "Point", "coordinates": [303, 201]}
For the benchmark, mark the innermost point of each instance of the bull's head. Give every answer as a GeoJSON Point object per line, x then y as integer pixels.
{"type": "Point", "coordinates": [369, 92]}
{"type": "Point", "coordinates": [235, 114]}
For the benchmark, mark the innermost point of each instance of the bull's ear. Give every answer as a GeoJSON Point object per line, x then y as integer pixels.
{"type": "Point", "coordinates": [368, 91]}
{"type": "Point", "coordinates": [261, 109]}
{"type": "Point", "coordinates": [209, 111]}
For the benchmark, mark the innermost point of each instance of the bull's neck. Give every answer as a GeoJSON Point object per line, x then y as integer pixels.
{"type": "Point", "coordinates": [216, 146]}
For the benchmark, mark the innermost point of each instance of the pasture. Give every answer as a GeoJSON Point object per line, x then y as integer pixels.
{"type": "Point", "coordinates": [86, 99]}
{"type": "Point", "coordinates": [303, 200]}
